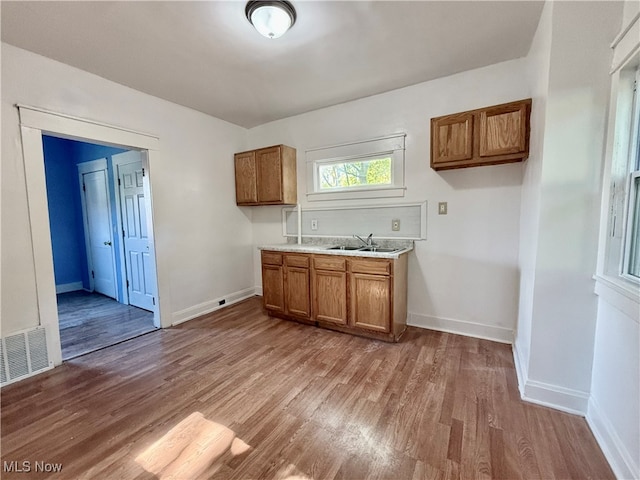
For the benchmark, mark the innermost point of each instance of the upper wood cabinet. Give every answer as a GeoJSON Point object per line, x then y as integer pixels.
{"type": "Point", "coordinates": [266, 176]}
{"type": "Point", "coordinates": [487, 136]}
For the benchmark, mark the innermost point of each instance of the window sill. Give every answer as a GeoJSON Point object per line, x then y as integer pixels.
{"type": "Point", "coordinates": [624, 295]}
{"type": "Point", "coordinates": [357, 194]}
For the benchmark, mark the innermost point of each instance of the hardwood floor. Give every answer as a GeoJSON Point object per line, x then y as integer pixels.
{"type": "Point", "coordinates": [90, 321]}
{"type": "Point", "coordinates": [238, 395]}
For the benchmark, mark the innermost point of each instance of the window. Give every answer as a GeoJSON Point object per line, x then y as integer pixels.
{"type": "Point", "coordinates": [365, 169]}
{"type": "Point", "coordinates": [354, 174]}
{"type": "Point", "coordinates": [631, 261]}
{"type": "Point", "coordinates": [633, 255]}
{"type": "Point", "coordinates": [622, 255]}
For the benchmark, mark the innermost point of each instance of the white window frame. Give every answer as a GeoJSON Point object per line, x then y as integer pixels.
{"type": "Point", "coordinates": [392, 146]}
{"type": "Point", "coordinates": [634, 173]}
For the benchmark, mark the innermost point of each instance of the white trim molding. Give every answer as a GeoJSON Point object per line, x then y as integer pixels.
{"type": "Point", "coordinates": [614, 449]}
{"type": "Point", "coordinates": [548, 395]}
{"type": "Point", "coordinates": [33, 122]}
{"type": "Point", "coordinates": [622, 295]}
{"type": "Point", "coordinates": [461, 327]}
{"type": "Point", "coordinates": [211, 306]}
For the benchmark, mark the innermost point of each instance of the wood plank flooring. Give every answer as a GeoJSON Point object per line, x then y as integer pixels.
{"type": "Point", "coordinates": [90, 321]}
{"type": "Point", "coordinates": [239, 395]}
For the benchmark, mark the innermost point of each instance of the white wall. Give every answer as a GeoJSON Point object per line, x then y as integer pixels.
{"type": "Point", "coordinates": [538, 72]}
{"type": "Point", "coordinates": [614, 406]}
{"type": "Point", "coordinates": [203, 240]}
{"type": "Point", "coordinates": [464, 277]}
{"type": "Point", "coordinates": [564, 303]}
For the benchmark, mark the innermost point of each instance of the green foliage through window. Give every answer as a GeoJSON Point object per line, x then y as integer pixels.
{"type": "Point", "coordinates": [355, 174]}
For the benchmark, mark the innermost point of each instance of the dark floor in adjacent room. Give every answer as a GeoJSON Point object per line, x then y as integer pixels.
{"type": "Point", "coordinates": [91, 321]}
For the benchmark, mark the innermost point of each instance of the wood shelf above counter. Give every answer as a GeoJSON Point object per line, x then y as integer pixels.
{"type": "Point", "coordinates": [486, 136]}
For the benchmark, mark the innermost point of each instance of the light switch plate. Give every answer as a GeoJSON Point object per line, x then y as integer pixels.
{"type": "Point", "coordinates": [442, 208]}
{"type": "Point", "coordinates": [395, 225]}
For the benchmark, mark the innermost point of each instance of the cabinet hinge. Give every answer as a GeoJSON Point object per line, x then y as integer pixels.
{"type": "Point", "coordinates": [143, 172]}
{"type": "Point", "coordinates": [119, 182]}
{"type": "Point", "coordinates": [154, 300]}
{"type": "Point", "coordinates": [84, 188]}
{"type": "Point", "coordinates": [127, 283]}
{"type": "Point", "coordinates": [93, 274]}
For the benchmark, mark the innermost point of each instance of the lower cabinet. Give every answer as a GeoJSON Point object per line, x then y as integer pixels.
{"type": "Point", "coordinates": [370, 301]}
{"type": "Point", "coordinates": [297, 299]}
{"type": "Point", "coordinates": [359, 295]}
{"type": "Point", "coordinates": [330, 289]}
{"type": "Point", "coordinates": [273, 282]}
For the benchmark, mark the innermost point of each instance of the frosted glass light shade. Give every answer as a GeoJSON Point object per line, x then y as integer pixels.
{"type": "Point", "coordinates": [271, 18]}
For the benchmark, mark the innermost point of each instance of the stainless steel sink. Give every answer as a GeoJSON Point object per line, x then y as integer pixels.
{"type": "Point", "coordinates": [379, 249]}
{"type": "Point", "coordinates": [343, 247]}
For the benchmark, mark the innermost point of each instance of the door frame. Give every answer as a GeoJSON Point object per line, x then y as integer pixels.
{"type": "Point", "coordinates": [88, 167]}
{"type": "Point", "coordinates": [34, 122]}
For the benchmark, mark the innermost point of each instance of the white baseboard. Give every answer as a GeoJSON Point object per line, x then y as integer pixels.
{"type": "Point", "coordinates": [610, 443]}
{"type": "Point", "coordinates": [461, 327]}
{"type": "Point", "coordinates": [211, 306]}
{"type": "Point", "coordinates": [554, 396]}
{"type": "Point", "coordinates": [521, 374]}
{"type": "Point", "coordinates": [69, 287]}
{"type": "Point", "coordinates": [259, 291]}
{"type": "Point", "coordinates": [548, 395]}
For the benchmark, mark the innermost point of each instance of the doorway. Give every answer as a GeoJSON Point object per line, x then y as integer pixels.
{"type": "Point", "coordinates": [93, 272]}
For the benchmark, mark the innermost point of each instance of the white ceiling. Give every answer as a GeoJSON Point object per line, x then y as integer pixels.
{"type": "Point", "coordinates": [206, 55]}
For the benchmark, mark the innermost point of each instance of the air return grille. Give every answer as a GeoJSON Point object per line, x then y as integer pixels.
{"type": "Point", "coordinates": [23, 354]}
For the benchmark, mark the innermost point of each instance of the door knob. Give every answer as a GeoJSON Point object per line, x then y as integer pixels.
{"type": "Point", "coordinates": [107, 243]}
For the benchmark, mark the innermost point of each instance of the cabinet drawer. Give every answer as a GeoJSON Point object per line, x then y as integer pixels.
{"type": "Point", "coordinates": [271, 258]}
{"type": "Point", "coordinates": [370, 266]}
{"type": "Point", "coordinates": [297, 261]}
{"type": "Point", "coordinates": [327, 262]}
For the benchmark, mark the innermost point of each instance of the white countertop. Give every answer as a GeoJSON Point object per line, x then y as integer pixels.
{"type": "Point", "coordinates": [324, 249]}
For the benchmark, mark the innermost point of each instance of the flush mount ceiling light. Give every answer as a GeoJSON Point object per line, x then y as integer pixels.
{"type": "Point", "coordinates": [270, 18]}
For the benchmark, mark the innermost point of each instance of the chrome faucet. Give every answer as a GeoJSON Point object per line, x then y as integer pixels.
{"type": "Point", "coordinates": [368, 242]}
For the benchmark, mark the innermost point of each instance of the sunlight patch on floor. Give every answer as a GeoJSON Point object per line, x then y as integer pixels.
{"type": "Point", "coordinates": [190, 448]}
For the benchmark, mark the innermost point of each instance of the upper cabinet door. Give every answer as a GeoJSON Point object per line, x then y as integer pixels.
{"type": "Point", "coordinates": [452, 138]}
{"type": "Point", "coordinates": [486, 136]}
{"type": "Point", "coordinates": [266, 176]}
{"type": "Point", "coordinates": [503, 130]}
{"type": "Point", "coordinates": [246, 174]}
{"type": "Point", "coordinates": [269, 162]}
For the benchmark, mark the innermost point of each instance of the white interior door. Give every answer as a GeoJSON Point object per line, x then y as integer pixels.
{"type": "Point", "coordinates": [139, 261]}
{"type": "Point", "coordinates": [98, 229]}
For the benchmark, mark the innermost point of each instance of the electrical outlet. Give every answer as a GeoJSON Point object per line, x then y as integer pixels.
{"type": "Point", "coordinates": [395, 225]}
{"type": "Point", "coordinates": [442, 208]}
{"type": "Point", "coordinates": [314, 224]}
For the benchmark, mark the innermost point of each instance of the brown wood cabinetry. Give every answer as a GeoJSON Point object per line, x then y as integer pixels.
{"type": "Point", "coordinates": [487, 136]}
{"type": "Point", "coordinates": [273, 282]}
{"type": "Point", "coordinates": [330, 289]}
{"type": "Point", "coordinates": [371, 294]}
{"type": "Point", "coordinates": [266, 176]}
{"type": "Point", "coordinates": [297, 286]}
{"type": "Point", "coordinates": [286, 284]}
{"type": "Point", "coordinates": [360, 295]}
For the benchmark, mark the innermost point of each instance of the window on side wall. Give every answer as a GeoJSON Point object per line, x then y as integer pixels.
{"type": "Point", "coordinates": [631, 257]}
{"type": "Point", "coordinates": [622, 258]}
{"type": "Point", "coordinates": [364, 169]}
